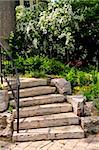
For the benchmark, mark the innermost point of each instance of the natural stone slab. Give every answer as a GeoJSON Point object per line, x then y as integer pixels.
{"type": "Point", "coordinates": [35, 91]}
{"type": "Point", "coordinates": [38, 100]}
{"type": "Point", "coordinates": [29, 82]}
{"type": "Point", "coordinates": [3, 100]}
{"type": "Point", "coordinates": [89, 109]}
{"type": "Point", "coordinates": [63, 86]}
{"type": "Point", "coordinates": [44, 109]}
{"type": "Point", "coordinates": [47, 121]}
{"type": "Point", "coordinates": [77, 102]}
{"type": "Point", "coordinates": [6, 120]}
{"type": "Point", "coordinates": [90, 124]}
{"type": "Point", "coordinates": [64, 132]}
{"type": "Point", "coordinates": [32, 82]}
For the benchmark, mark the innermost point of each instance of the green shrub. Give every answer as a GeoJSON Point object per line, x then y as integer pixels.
{"type": "Point", "coordinates": [7, 67]}
{"type": "Point", "coordinates": [66, 29]}
{"type": "Point", "coordinates": [52, 66]}
{"type": "Point", "coordinates": [81, 78]}
{"type": "Point", "coordinates": [20, 64]}
{"type": "Point", "coordinates": [33, 63]}
{"type": "Point", "coordinates": [84, 78]}
{"type": "Point", "coordinates": [44, 65]}
{"type": "Point", "coordinates": [27, 37]}
{"type": "Point", "coordinates": [92, 92]}
{"type": "Point", "coordinates": [72, 76]}
{"type": "Point", "coordinates": [39, 64]}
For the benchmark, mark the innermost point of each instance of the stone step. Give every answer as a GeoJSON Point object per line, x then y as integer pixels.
{"type": "Point", "coordinates": [34, 91]}
{"type": "Point", "coordinates": [47, 121]}
{"type": "Point", "coordinates": [39, 100]}
{"type": "Point", "coordinates": [44, 110]}
{"type": "Point", "coordinates": [51, 133]}
{"type": "Point", "coordinates": [32, 82]}
{"type": "Point", "coordinates": [28, 82]}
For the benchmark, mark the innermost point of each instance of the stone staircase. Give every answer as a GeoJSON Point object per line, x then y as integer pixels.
{"type": "Point", "coordinates": [44, 114]}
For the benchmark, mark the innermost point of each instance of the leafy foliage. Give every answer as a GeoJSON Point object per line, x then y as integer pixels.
{"type": "Point", "coordinates": [55, 24]}
{"type": "Point", "coordinates": [92, 93]}
{"type": "Point", "coordinates": [64, 29]}
{"type": "Point", "coordinates": [44, 65]}
{"type": "Point", "coordinates": [86, 35]}
{"type": "Point", "coordinates": [27, 36]}
{"type": "Point", "coordinates": [39, 64]}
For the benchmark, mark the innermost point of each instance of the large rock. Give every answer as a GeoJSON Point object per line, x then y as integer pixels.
{"type": "Point", "coordinates": [90, 124]}
{"type": "Point", "coordinates": [3, 100]}
{"type": "Point", "coordinates": [6, 120]}
{"type": "Point", "coordinates": [63, 86]}
{"type": "Point", "coordinates": [3, 122]}
{"type": "Point", "coordinates": [77, 102]}
{"type": "Point", "coordinates": [90, 109]}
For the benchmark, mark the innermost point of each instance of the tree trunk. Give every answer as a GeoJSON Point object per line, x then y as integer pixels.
{"type": "Point", "coordinates": [7, 18]}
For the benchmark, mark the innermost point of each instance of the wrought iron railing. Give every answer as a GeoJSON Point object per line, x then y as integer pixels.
{"type": "Point", "coordinates": [9, 74]}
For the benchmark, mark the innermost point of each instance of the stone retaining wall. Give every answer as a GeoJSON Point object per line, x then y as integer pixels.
{"type": "Point", "coordinates": [6, 123]}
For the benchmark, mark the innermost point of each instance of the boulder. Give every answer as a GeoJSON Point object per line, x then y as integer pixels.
{"type": "Point", "coordinates": [90, 124]}
{"type": "Point", "coordinates": [90, 109]}
{"type": "Point", "coordinates": [6, 121]}
{"type": "Point", "coordinates": [63, 86]}
{"type": "Point", "coordinates": [77, 102]}
{"type": "Point", "coordinates": [3, 100]}
{"type": "Point", "coordinates": [3, 122]}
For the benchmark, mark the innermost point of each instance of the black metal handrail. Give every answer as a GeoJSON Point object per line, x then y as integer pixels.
{"type": "Point", "coordinates": [7, 69]}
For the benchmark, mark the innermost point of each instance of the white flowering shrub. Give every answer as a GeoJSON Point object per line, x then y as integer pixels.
{"type": "Point", "coordinates": [27, 36]}
{"type": "Point", "coordinates": [55, 24]}
{"type": "Point", "coordinates": [63, 29]}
